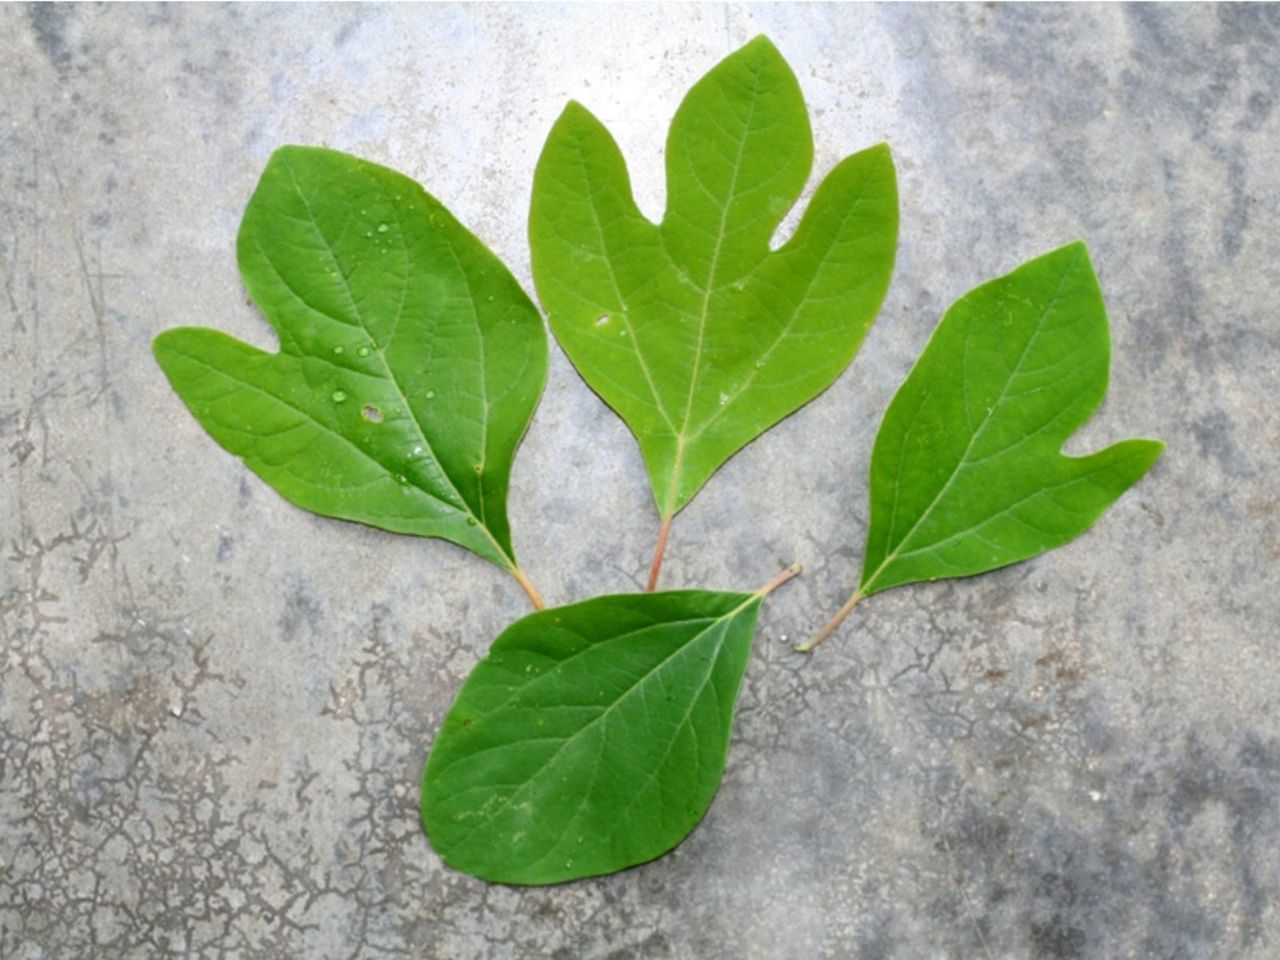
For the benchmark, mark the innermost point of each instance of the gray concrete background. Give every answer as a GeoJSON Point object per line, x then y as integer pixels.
{"type": "Point", "coordinates": [215, 706]}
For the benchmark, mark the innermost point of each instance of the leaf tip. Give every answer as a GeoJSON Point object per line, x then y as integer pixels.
{"type": "Point", "coordinates": [1076, 249]}
{"type": "Point", "coordinates": [883, 153]}
{"type": "Point", "coordinates": [879, 155]}
{"type": "Point", "coordinates": [574, 122]}
{"type": "Point", "coordinates": [757, 53]}
{"type": "Point", "coordinates": [761, 43]}
{"type": "Point", "coordinates": [164, 345]}
{"type": "Point", "coordinates": [575, 112]}
{"type": "Point", "coordinates": [1149, 450]}
{"type": "Point", "coordinates": [287, 152]}
{"type": "Point", "coordinates": [158, 343]}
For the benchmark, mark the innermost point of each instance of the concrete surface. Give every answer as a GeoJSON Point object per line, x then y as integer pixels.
{"type": "Point", "coordinates": [215, 706]}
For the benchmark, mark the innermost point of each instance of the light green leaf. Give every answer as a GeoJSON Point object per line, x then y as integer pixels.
{"type": "Point", "coordinates": [410, 360]}
{"type": "Point", "coordinates": [967, 472]}
{"type": "Point", "coordinates": [591, 738]}
{"type": "Point", "coordinates": [696, 333]}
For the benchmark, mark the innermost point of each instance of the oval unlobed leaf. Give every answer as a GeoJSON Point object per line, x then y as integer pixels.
{"type": "Point", "coordinates": [591, 738]}
{"type": "Point", "coordinates": [693, 330]}
{"type": "Point", "coordinates": [410, 360]}
{"type": "Point", "coordinates": [967, 472]}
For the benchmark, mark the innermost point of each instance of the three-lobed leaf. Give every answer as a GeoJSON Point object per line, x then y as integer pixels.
{"type": "Point", "coordinates": [693, 330]}
{"type": "Point", "coordinates": [591, 738]}
{"type": "Point", "coordinates": [410, 360]}
{"type": "Point", "coordinates": [967, 472]}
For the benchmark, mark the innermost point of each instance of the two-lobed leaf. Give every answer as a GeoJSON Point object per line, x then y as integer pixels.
{"type": "Point", "coordinates": [410, 360]}
{"type": "Point", "coordinates": [967, 472]}
{"type": "Point", "coordinates": [591, 738]}
{"type": "Point", "coordinates": [693, 330]}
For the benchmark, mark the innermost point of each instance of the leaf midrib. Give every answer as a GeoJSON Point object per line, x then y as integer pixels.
{"type": "Point", "coordinates": [710, 286]}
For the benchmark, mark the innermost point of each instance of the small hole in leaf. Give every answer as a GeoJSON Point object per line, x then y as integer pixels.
{"type": "Point", "coordinates": [371, 413]}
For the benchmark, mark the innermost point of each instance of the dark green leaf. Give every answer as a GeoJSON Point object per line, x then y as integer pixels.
{"type": "Point", "coordinates": [410, 360]}
{"type": "Point", "coordinates": [591, 738]}
{"type": "Point", "coordinates": [697, 334]}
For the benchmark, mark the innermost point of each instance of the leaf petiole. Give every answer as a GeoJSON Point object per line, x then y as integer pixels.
{"type": "Point", "coordinates": [779, 580]}
{"type": "Point", "coordinates": [831, 627]}
{"type": "Point", "coordinates": [529, 588]}
{"type": "Point", "coordinates": [658, 551]}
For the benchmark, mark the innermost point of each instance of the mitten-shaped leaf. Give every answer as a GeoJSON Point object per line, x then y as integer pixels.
{"type": "Point", "coordinates": [410, 360]}
{"type": "Point", "coordinates": [967, 473]}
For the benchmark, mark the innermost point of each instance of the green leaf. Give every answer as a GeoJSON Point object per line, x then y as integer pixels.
{"type": "Point", "coordinates": [967, 472]}
{"type": "Point", "coordinates": [410, 360]}
{"type": "Point", "coordinates": [591, 738]}
{"type": "Point", "coordinates": [698, 335]}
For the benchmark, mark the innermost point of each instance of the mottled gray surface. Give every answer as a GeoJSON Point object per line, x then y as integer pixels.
{"type": "Point", "coordinates": [215, 706]}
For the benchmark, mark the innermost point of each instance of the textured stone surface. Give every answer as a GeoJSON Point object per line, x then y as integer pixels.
{"type": "Point", "coordinates": [215, 707]}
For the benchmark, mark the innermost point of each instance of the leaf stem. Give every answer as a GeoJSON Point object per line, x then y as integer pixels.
{"type": "Point", "coordinates": [658, 551]}
{"type": "Point", "coordinates": [528, 588]}
{"type": "Point", "coordinates": [779, 580]}
{"type": "Point", "coordinates": [831, 627]}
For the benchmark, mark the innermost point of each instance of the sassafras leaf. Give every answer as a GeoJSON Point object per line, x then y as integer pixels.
{"type": "Point", "coordinates": [591, 738]}
{"type": "Point", "coordinates": [693, 330]}
{"type": "Point", "coordinates": [410, 360]}
{"type": "Point", "coordinates": [967, 472]}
